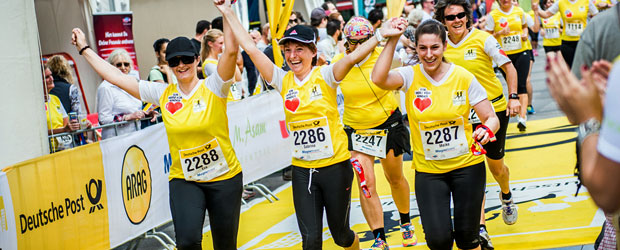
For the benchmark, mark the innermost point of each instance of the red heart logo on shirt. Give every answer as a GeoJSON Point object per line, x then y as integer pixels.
{"type": "Point", "coordinates": [292, 104]}
{"type": "Point", "coordinates": [569, 14]}
{"type": "Point", "coordinates": [422, 103]}
{"type": "Point", "coordinates": [503, 25]}
{"type": "Point", "coordinates": [173, 107]}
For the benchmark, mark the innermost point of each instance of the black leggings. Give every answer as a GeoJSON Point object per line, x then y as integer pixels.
{"type": "Point", "coordinates": [522, 62]}
{"type": "Point", "coordinates": [188, 201]}
{"type": "Point", "coordinates": [330, 189]}
{"type": "Point", "coordinates": [466, 185]}
{"type": "Point", "coordinates": [568, 51]}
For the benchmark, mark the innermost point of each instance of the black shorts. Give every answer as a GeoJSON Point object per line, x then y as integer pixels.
{"type": "Point", "coordinates": [552, 48]}
{"type": "Point", "coordinates": [533, 35]}
{"type": "Point", "coordinates": [531, 54]}
{"type": "Point", "coordinates": [397, 136]}
{"type": "Point", "coordinates": [522, 62]}
{"type": "Point", "coordinates": [495, 150]}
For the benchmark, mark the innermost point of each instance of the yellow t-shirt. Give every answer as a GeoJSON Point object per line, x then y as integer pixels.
{"type": "Point", "coordinates": [313, 120]}
{"type": "Point", "coordinates": [574, 18]}
{"type": "Point", "coordinates": [476, 53]}
{"type": "Point", "coordinates": [553, 32]}
{"type": "Point", "coordinates": [514, 20]}
{"type": "Point", "coordinates": [365, 105]}
{"type": "Point", "coordinates": [54, 113]}
{"type": "Point", "coordinates": [209, 66]}
{"type": "Point", "coordinates": [197, 130]}
{"type": "Point", "coordinates": [438, 115]}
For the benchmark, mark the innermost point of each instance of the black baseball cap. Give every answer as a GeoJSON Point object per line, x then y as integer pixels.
{"type": "Point", "coordinates": [300, 33]}
{"type": "Point", "coordinates": [180, 46]}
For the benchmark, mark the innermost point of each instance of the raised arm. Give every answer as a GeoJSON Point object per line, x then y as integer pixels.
{"type": "Point", "coordinates": [103, 68]}
{"type": "Point", "coordinates": [262, 62]}
{"type": "Point", "coordinates": [542, 13]}
{"type": "Point", "coordinates": [394, 27]}
{"type": "Point", "coordinates": [227, 64]}
{"type": "Point", "coordinates": [381, 74]}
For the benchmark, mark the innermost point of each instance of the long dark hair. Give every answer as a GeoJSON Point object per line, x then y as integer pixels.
{"type": "Point", "coordinates": [441, 6]}
{"type": "Point", "coordinates": [434, 27]}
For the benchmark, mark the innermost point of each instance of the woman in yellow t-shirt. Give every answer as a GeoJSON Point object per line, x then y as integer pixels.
{"type": "Point", "coordinates": [508, 25]}
{"type": "Point", "coordinates": [551, 29]}
{"type": "Point", "coordinates": [477, 51]}
{"type": "Point", "coordinates": [57, 118]}
{"type": "Point", "coordinates": [574, 15]}
{"type": "Point", "coordinates": [322, 171]}
{"type": "Point", "coordinates": [212, 46]}
{"type": "Point", "coordinates": [439, 96]}
{"type": "Point", "coordinates": [205, 173]}
{"type": "Point", "coordinates": [375, 129]}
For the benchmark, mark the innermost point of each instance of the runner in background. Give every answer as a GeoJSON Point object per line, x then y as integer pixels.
{"type": "Point", "coordinates": [533, 26]}
{"type": "Point", "coordinates": [551, 29]}
{"type": "Point", "coordinates": [477, 51]}
{"type": "Point", "coordinates": [439, 98]}
{"type": "Point", "coordinates": [574, 14]}
{"type": "Point", "coordinates": [212, 47]}
{"type": "Point", "coordinates": [375, 128]}
{"type": "Point", "coordinates": [194, 113]}
{"type": "Point", "coordinates": [322, 170]}
{"type": "Point", "coordinates": [508, 25]}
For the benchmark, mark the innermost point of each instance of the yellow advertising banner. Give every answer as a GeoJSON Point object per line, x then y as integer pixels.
{"type": "Point", "coordinates": [279, 13]}
{"type": "Point", "coordinates": [61, 207]}
{"type": "Point", "coordinates": [395, 8]}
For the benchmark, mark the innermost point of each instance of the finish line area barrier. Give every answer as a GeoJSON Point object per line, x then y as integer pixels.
{"type": "Point", "coordinates": [103, 194]}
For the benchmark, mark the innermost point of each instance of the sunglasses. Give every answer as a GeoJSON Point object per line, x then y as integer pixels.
{"type": "Point", "coordinates": [120, 64]}
{"type": "Point", "coordinates": [173, 62]}
{"type": "Point", "coordinates": [357, 41]}
{"type": "Point", "coordinates": [452, 17]}
{"type": "Point", "coordinates": [292, 21]}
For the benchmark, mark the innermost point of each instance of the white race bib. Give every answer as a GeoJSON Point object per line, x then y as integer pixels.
{"type": "Point", "coordinates": [370, 141]}
{"type": "Point", "coordinates": [511, 42]}
{"type": "Point", "coordinates": [443, 139]}
{"type": "Point", "coordinates": [311, 139]}
{"type": "Point", "coordinates": [203, 163]}
{"type": "Point", "coordinates": [574, 29]}
{"type": "Point", "coordinates": [551, 33]}
{"type": "Point", "coordinates": [473, 117]}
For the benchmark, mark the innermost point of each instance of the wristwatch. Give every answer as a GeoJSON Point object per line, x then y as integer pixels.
{"type": "Point", "coordinates": [587, 128]}
{"type": "Point", "coordinates": [513, 96]}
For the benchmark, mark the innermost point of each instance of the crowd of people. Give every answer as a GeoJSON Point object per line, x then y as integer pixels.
{"type": "Point", "coordinates": [440, 62]}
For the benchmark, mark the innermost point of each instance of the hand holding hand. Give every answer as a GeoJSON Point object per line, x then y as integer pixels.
{"type": "Point", "coordinates": [222, 5]}
{"type": "Point", "coordinates": [394, 27]}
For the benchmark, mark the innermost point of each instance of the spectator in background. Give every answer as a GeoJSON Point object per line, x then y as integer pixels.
{"type": "Point", "coordinates": [57, 118]}
{"type": "Point", "coordinates": [329, 7]}
{"type": "Point", "coordinates": [329, 46]}
{"type": "Point", "coordinates": [116, 105]}
{"type": "Point", "coordinates": [318, 19]}
{"type": "Point", "coordinates": [300, 18]}
{"type": "Point", "coordinates": [64, 89]}
{"type": "Point", "coordinates": [217, 23]}
{"type": "Point", "coordinates": [161, 72]}
{"type": "Point", "coordinates": [201, 29]}
{"type": "Point", "coordinates": [249, 66]}
{"type": "Point", "coordinates": [375, 16]}
{"type": "Point", "coordinates": [338, 16]}
{"type": "Point", "coordinates": [265, 38]}
{"type": "Point", "coordinates": [428, 6]}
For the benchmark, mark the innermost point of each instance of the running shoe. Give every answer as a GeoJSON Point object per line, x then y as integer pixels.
{"type": "Point", "coordinates": [509, 211]}
{"type": "Point", "coordinates": [485, 239]}
{"type": "Point", "coordinates": [521, 125]}
{"type": "Point", "coordinates": [379, 245]}
{"type": "Point", "coordinates": [535, 52]}
{"type": "Point", "coordinates": [530, 110]}
{"type": "Point", "coordinates": [408, 232]}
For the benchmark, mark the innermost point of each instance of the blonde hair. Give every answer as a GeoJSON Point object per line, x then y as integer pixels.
{"type": "Point", "coordinates": [60, 67]}
{"type": "Point", "coordinates": [211, 36]}
{"type": "Point", "coordinates": [120, 53]}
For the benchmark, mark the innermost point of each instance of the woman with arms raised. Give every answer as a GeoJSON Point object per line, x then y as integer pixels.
{"type": "Point", "coordinates": [205, 173]}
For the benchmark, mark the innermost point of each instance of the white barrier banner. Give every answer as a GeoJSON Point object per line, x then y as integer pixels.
{"type": "Point", "coordinates": [259, 136]}
{"type": "Point", "coordinates": [136, 171]}
{"type": "Point", "coordinates": [8, 235]}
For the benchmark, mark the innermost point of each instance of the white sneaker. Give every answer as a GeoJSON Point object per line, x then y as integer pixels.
{"type": "Point", "coordinates": [509, 210]}
{"type": "Point", "coordinates": [485, 240]}
{"type": "Point", "coordinates": [521, 125]}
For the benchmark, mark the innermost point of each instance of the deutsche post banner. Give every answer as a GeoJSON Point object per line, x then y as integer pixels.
{"type": "Point", "coordinates": [59, 201]}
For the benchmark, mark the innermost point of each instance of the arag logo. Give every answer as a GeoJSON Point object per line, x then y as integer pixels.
{"type": "Point", "coordinates": [136, 184]}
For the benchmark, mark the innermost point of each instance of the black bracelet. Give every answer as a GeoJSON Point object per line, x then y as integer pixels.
{"type": "Point", "coordinates": [82, 50]}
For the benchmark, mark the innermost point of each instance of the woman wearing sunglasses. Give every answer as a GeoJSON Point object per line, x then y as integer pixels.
{"type": "Point", "coordinates": [375, 128]}
{"type": "Point", "coordinates": [322, 171]}
{"type": "Point", "coordinates": [116, 105]}
{"type": "Point", "coordinates": [205, 173]}
{"type": "Point", "coordinates": [446, 156]}
{"type": "Point", "coordinates": [477, 51]}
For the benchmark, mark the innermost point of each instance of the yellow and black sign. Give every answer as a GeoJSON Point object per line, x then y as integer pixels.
{"type": "Point", "coordinates": [136, 184]}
